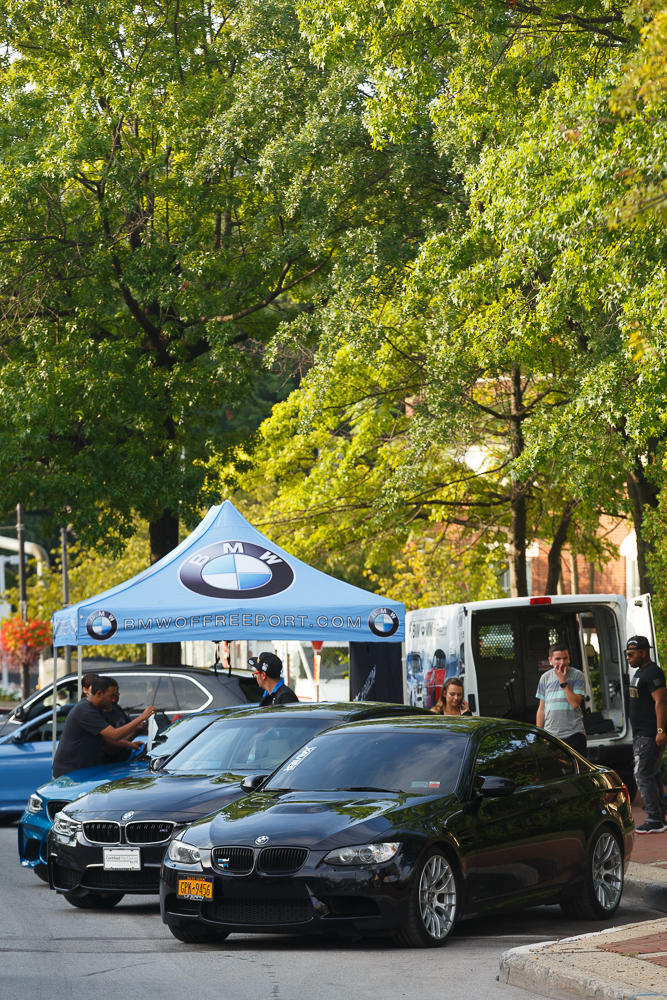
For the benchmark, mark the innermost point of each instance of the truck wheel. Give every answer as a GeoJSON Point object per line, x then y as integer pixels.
{"type": "Point", "coordinates": [198, 934]}
{"type": "Point", "coordinates": [432, 905]}
{"type": "Point", "coordinates": [93, 901]}
{"type": "Point", "coordinates": [603, 881]}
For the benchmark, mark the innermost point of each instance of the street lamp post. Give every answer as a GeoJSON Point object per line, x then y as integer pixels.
{"type": "Point", "coordinates": [23, 602]}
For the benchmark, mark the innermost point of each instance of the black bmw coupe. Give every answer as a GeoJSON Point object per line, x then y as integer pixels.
{"type": "Point", "coordinates": [111, 841]}
{"type": "Point", "coordinates": [401, 827]}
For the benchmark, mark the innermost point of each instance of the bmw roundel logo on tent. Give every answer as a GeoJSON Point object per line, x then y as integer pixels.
{"type": "Point", "coordinates": [101, 625]}
{"type": "Point", "coordinates": [383, 622]}
{"type": "Point", "coordinates": [235, 570]}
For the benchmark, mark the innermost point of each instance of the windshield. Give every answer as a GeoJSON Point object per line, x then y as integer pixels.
{"type": "Point", "coordinates": [169, 739]}
{"type": "Point", "coordinates": [413, 762]}
{"type": "Point", "coordinates": [252, 745]}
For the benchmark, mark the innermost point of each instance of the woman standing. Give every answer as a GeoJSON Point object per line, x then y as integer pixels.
{"type": "Point", "coordinates": [451, 700]}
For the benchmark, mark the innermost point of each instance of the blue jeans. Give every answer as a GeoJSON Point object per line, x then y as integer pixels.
{"type": "Point", "coordinates": [648, 758]}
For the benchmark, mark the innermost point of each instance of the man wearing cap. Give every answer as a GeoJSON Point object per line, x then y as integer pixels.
{"type": "Point", "coordinates": [648, 715]}
{"type": "Point", "coordinates": [268, 668]}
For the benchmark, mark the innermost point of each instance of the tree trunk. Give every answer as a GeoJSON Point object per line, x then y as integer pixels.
{"type": "Point", "coordinates": [574, 572]}
{"type": "Point", "coordinates": [516, 543]}
{"type": "Point", "coordinates": [642, 494]}
{"type": "Point", "coordinates": [163, 537]}
{"type": "Point", "coordinates": [556, 550]}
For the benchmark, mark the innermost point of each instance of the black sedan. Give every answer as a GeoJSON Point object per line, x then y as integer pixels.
{"type": "Point", "coordinates": [401, 827]}
{"type": "Point", "coordinates": [111, 841]}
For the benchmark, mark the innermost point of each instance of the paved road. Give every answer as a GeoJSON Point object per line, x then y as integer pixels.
{"type": "Point", "coordinates": [52, 950]}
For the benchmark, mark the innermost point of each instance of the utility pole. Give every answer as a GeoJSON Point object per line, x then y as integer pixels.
{"type": "Point", "coordinates": [23, 602]}
{"type": "Point", "coordinates": [65, 570]}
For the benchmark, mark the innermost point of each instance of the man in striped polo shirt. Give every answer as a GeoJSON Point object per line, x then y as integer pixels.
{"type": "Point", "coordinates": [561, 692]}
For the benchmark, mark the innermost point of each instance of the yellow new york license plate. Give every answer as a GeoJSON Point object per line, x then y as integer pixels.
{"type": "Point", "coordinates": [195, 888]}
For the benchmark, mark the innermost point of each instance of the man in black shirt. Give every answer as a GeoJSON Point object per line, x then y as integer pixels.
{"type": "Point", "coordinates": [648, 715]}
{"type": "Point", "coordinates": [87, 729]}
{"type": "Point", "coordinates": [268, 668]}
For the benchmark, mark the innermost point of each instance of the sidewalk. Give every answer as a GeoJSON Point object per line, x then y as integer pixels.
{"type": "Point", "coordinates": [626, 962]}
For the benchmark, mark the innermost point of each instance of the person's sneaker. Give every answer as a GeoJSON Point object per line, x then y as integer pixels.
{"type": "Point", "coordinates": [651, 826]}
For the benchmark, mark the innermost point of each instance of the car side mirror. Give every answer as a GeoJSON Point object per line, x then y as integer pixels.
{"type": "Point", "coordinates": [252, 781]}
{"type": "Point", "coordinates": [491, 788]}
{"type": "Point", "coordinates": [19, 714]}
{"type": "Point", "coordinates": [19, 738]}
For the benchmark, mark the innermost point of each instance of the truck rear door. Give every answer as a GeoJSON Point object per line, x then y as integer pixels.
{"type": "Point", "coordinates": [639, 621]}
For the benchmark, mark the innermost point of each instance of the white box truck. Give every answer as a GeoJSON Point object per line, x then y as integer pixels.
{"type": "Point", "coordinates": [500, 649]}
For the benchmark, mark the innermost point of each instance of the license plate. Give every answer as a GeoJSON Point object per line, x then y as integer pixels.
{"type": "Point", "coordinates": [119, 859]}
{"type": "Point", "coordinates": [195, 888]}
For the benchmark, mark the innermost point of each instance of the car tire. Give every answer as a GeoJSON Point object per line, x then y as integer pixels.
{"type": "Point", "coordinates": [433, 903]}
{"type": "Point", "coordinates": [93, 901]}
{"type": "Point", "coordinates": [603, 881]}
{"type": "Point", "coordinates": [42, 871]}
{"type": "Point", "coordinates": [6, 819]}
{"type": "Point", "coordinates": [197, 933]}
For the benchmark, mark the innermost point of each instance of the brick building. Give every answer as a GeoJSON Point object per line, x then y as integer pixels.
{"type": "Point", "coordinates": [618, 576]}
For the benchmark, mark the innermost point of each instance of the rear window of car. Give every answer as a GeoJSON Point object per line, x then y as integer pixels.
{"type": "Point", "coordinates": [396, 761]}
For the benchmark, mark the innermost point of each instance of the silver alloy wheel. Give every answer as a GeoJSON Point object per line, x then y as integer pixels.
{"type": "Point", "coordinates": [607, 871]}
{"type": "Point", "coordinates": [437, 897]}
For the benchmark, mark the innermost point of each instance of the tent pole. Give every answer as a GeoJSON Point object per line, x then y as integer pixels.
{"type": "Point", "coordinates": [79, 671]}
{"type": "Point", "coordinates": [55, 699]}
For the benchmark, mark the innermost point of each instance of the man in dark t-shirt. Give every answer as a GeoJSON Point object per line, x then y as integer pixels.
{"type": "Point", "coordinates": [268, 667]}
{"type": "Point", "coordinates": [648, 716]}
{"type": "Point", "coordinates": [87, 728]}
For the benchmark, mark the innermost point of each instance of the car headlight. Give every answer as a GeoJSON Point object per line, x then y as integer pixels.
{"type": "Point", "coordinates": [35, 803]}
{"type": "Point", "coordinates": [65, 825]}
{"type": "Point", "coordinates": [183, 854]}
{"type": "Point", "coordinates": [368, 854]}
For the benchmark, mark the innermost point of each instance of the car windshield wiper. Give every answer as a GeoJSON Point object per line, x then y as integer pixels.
{"type": "Point", "coordinates": [366, 788]}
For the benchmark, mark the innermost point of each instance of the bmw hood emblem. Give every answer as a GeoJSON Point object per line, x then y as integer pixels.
{"type": "Point", "coordinates": [127, 815]}
{"type": "Point", "coordinates": [262, 840]}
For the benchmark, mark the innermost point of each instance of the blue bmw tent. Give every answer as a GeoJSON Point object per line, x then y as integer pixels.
{"type": "Point", "coordinates": [227, 581]}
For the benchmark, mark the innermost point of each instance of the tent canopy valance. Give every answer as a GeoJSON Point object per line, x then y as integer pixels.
{"type": "Point", "coordinates": [228, 581]}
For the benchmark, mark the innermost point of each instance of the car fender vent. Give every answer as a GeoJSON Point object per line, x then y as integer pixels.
{"type": "Point", "coordinates": [102, 833]}
{"type": "Point", "coordinates": [148, 833]}
{"type": "Point", "coordinates": [55, 806]}
{"type": "Point", "coordinates": [281, 860]}
{"type": "Point", "coordinates": [234, 860]}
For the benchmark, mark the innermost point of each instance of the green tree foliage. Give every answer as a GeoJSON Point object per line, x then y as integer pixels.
{"type": "Point", "coordinates": [177, 178]}
{"type": "Point", "coordinates": [531, 326]}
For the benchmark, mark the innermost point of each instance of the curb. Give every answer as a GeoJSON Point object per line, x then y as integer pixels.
{"type": "Point", "coordinates": [518, 967]}
{"type": "Point", "coordinates": [575, 967]}
{"type": "Point", "coordinates": [653, 894]}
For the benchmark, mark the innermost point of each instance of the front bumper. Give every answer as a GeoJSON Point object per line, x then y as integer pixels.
{"type": "Point", "coordinates": [79, 867]}
{"type": "Point", "coordinates": [33, 835]}
{"type": "Point", "coordinates": [318, 900]}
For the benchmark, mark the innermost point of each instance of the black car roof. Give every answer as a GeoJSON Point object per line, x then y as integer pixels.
{"type": "Point", "coordinates": [344, 710]}
{"type": "Point", "coordinates": [463, 725]}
